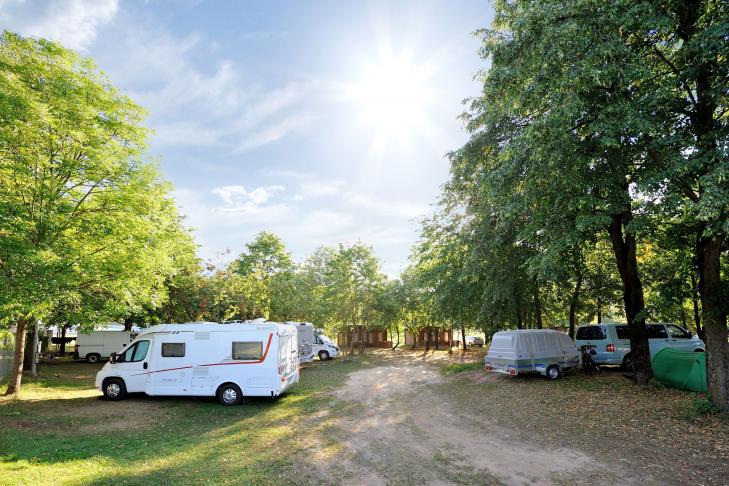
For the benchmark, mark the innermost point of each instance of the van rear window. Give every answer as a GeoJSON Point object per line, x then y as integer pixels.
{"type": "Point", "coordinates": [247, 350]}
{"type": "Point", "coordinates": [587, 333]}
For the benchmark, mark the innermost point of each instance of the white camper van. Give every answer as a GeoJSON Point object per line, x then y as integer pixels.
{"type": "Point", "coordinates": [228, 361]}
{"type": "Point", "coordinates": [325, 347]}
{"type": "Point", "coordinates": [99, 345]}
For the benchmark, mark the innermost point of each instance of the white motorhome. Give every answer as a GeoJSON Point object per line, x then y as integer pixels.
{"type": "Point", "coordinates": [228, 361]}
{"type": "Point", "coordinates": [99, 345]}
{"type": "Point", "coordinates": [324, 347]}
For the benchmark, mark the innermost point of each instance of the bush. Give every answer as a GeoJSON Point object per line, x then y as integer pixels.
{"type": "Point", "coordinates": [701, 407]}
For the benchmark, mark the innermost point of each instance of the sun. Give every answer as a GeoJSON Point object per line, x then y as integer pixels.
{"type": "Point", "coordinates": [391, 96]}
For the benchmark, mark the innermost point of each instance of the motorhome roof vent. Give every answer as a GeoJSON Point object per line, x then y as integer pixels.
{"type": "Point", "coordinates": [202, 335]}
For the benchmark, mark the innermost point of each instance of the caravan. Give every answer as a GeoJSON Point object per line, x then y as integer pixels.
{"type": "Point", "coordinates": [228, 361]}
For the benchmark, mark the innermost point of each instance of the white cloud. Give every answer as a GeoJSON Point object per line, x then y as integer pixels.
{"type": "Point", "coordinates": [237, 199]}
{"type": "Point", "coordinates": [272, 133]}
{"type": "Point", "coordinates": [73, 23]}
{"type": "Point", "coordinates": [197, 103]}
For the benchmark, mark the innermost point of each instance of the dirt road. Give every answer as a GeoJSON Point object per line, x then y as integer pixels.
{"type": "Point", "coordinates": [398, 424]}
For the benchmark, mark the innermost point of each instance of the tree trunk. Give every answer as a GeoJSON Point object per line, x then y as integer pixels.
{"type": "Point", "coordinates": [697, 312]}
{"type": "Point", "coordinates": [574, 301]}
{"type": "Point", "coordinates": [427, 339]}
{"type": "Point", "coordinates": [397, 333]}
{"type": "Point", "coordinates": [717, 348]}
{"type": "Point", "coordinates": [16, 374]}
{"type": "Point", "coordinates": [34, 354]}
{"type": "Point", "coordinates": [437, 337]}
{"type": "Point", "coordinates": [128, 323]}
{"type": "Point", "coordinates": [599, 311]}
{"type": "Point", "coordinates": [537, 308]}
{"type": "Point", "coordinates": [624, 248]}
{"type": "Point", "coordinates": [28, 349]}
{"type": "Point", "coordinates": [463, 336]}
{"type": "Point", "coordinates": [62, 348]}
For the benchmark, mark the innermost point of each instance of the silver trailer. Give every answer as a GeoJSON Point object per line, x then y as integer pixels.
{"type": "Point", "coordinates": [546, 352]}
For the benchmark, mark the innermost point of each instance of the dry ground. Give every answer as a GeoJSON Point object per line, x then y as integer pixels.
{"type": "Point", "coordinates": [402, 417]}
{"type": "Point", "coordinates": [404, 422]}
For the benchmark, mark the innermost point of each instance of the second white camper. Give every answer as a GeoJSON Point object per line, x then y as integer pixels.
{"type": "Point", "coordinates": [228, 361]}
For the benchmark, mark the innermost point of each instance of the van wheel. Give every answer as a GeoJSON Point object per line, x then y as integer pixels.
{"type": "Point", "coordinates": [229, 394]}
{"type": "Point", "coordinates": [628, 362]}
{"type": "Point", "coordinates": [114, 389]}
{"type": "Point", "coordinates": [553, 372]}
{"type": "Point", "coordinates": [323, 355]}
{"type": "Point", "coordinates": [93, 358]}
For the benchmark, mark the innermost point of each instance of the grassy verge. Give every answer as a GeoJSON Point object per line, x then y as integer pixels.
{"type": "Point", "coordinates": [59, 432]}
{"type": "Point", "coordinates": [455, 368]}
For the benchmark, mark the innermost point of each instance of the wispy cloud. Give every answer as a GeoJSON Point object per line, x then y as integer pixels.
{"type": "Point", "coordinates": [71, 22]}
{"type": "Point", "coordinates": [237, 199]}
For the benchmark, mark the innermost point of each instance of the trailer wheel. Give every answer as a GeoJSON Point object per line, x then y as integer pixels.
{"type": "Point", "coordinates": [229, 394]}
{"type": "Point", "coordinates": [553, 372]}
{"type": "Point", "coordinates": [93, 357]}
{"type": "Point", "coordinates": [114, 389]}
{"type": "Point", "coordinates": [323, 355]}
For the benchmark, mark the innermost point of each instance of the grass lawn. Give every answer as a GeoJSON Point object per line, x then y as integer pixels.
{"type": "Point", "coordinates": [60, 432]}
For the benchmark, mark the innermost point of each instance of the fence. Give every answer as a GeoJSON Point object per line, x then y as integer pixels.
{"type": "Point", "coordinates": [6, 361]}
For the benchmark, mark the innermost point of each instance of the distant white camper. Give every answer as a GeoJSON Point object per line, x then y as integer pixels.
{"type": "Point", "coordinates": [313, 343]}
{"type": "Point", "coordinates": [99, 345]}
{"type": "Point", "coordinates": [325, 347]}
{"type": "Point", "coordinates": [228, 361]}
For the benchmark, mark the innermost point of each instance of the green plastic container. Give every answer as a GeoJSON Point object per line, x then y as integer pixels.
{"type": "Point", "coordinates": [680, 369]}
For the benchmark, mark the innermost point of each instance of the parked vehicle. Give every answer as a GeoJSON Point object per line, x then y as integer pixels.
{"type": "Point", "coordinates": [99, 345]}
{"type": "Point", "coordinates": [305, 340]}
{"type": "Point", "coordinates": [474, 341]}
{"type": "Point", "coordinates": [546, 352]}
{"type": "Point", "coordinates": [612, 341]}
{"type": "Point", "coordinates": [228, 361]}
{"type": "Point", "coordinates": [325, 347]}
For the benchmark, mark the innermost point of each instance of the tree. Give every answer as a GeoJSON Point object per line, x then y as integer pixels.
{"type": "Point", "coordinates": [82, 215]}
{"type": "Point", "coordinates": [265, 255]}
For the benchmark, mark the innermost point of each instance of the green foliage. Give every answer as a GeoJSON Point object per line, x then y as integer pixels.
{"type": "Point", "coordinates": [88, 231]}
{"type": "Point", "coordinates": [701, 407]}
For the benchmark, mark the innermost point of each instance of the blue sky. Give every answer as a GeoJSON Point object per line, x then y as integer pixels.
{"type": "Point", "coordinates": [322, 121]}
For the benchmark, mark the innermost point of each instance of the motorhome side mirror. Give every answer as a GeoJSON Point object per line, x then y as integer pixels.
{"type": "Point", "coordinates": [112, 358]}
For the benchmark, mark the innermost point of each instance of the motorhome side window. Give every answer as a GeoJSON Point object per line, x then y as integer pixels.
{"type": "Point", "coordinates": [173, 350]}
{"type": "Point", "coordinates": [317, 340]}
{"type": "Point", "coordinates": [247, 350]}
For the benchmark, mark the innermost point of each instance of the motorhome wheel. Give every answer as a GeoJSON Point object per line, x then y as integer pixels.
{"type": "Point", "coordinates": [229, 394]}
{"type": "Point", "coordinates": [114, 389]}
{"type": "Point", "coordinates": [93, 358]}
{"type": "Point", "coordinates": [323, 355]}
